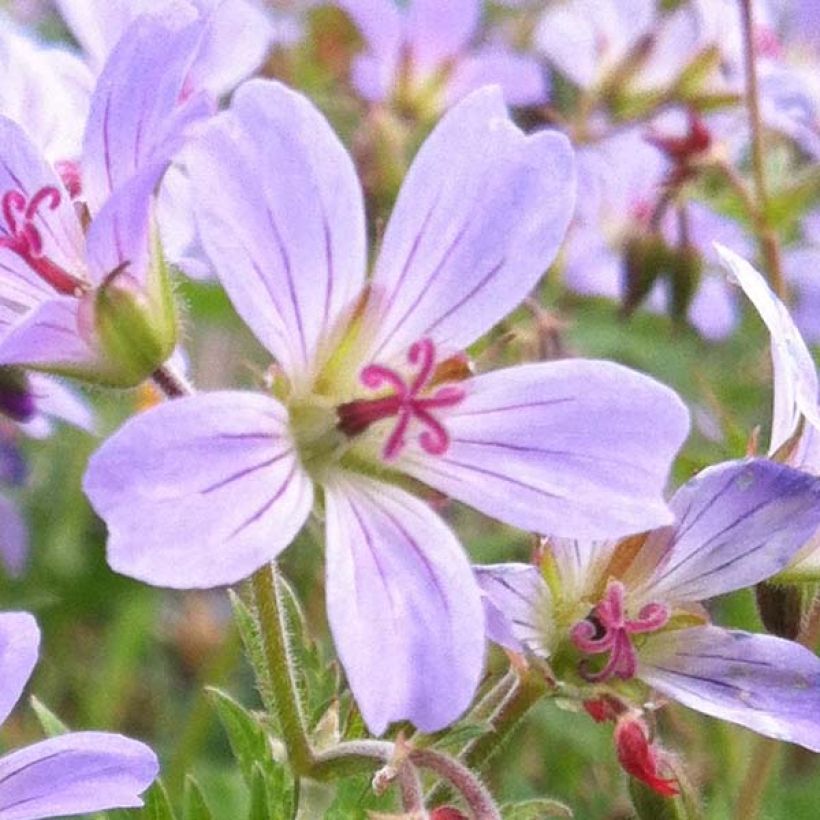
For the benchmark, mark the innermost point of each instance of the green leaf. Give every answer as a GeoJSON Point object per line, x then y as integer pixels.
{"type": "Point", "coordinates": [52, 725]}
{"type": "Point", "coordinates": [260, 798]}
{"type": "Point", "coordinates": [248, 628]}
{"type": "Point", "coordinates": [461, 734]}
{"type": "Point", "coordinates": [195, 806]}
{"type": "Point", "coordinates": [157, 804]}
{"type": "Point", "coordinates": [535, 809]}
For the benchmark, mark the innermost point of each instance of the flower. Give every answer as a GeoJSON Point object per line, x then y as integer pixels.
{"type": "Point", "coordinates": [204, 490]}
{"type": "Point", "coordinates": [69, 297]}
{"type": "Point", "coordinates": [69, 774]}
{"type": "Point", "coordinates": [421, 55]}
{"type": "Point", "coordinates": [608, 614]}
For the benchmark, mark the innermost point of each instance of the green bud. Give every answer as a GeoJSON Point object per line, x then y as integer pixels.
{"type": "Point", "coordinates": [685, 271]}
{"type": "Point", "coordinates": [645, 260]}
{"type": "Point", "coordinates": [781, 608]}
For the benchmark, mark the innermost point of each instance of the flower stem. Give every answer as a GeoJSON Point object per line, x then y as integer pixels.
{"type": "Point", "coordinates": [173, 384]}
{"type": "Point", "coordinates": [767, 237]}
{"type": "Point", "coordinates": [350, 758]}
{"type": "Point", "coordinates": [283, 683]}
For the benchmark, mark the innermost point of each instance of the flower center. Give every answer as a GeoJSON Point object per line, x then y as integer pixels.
{"type": "Point", "coordinates": [21, 236]}
{"type": "Point", "coordinates": [405, 402]}
{"type": "Point", "coordinates": [609, 630]}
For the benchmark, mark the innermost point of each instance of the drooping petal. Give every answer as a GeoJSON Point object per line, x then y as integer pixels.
{"type": "Point", "coordinates": [403, 605]}
{"type": "Point", "coordinates": [13, 538]}
{"type": "Point", "coordinates": [281, 217]}
{"type": "Point", "coordinates": [517, 606]}
{"type": "Point", "coordinates": [737, 523]}
{"type": "Point", "coordinates": [795, 375]}
{"type": "Point", "coordinates": [136, 114]}
{"type": "Point", "coordinates": [767, 684]}
{"type": "Point", "coordinates": [200, 491]}
{"type": "Point", "coordinates": [478, 220]}
{"type": "Point", "coordinates": [73, 774]}
{"type": "Point", "coordinates": [522, 79]}
{"type": "Point", "coordinates": [571, 448]}
{"type": "Point", "coordinates": [437, 31]}
{"type": "Point", "coordinates": [19, 644]}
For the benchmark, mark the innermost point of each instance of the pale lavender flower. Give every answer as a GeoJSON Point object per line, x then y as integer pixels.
{"type": "Point", "coordinates": [204, 490]}
{"type": "Point", "coordinates": [69, 774]}
{"type": "Point", "coordinates": [615, 612]}
{"type": "Point", "coordinates": [51, 269]}
{"type": "Point", "coordinates": [426, 51]}
{"type": "Point", "coordinates": [801, 267]}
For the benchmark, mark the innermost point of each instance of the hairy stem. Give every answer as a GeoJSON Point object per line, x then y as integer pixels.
{"type": "Point", "coordinates": [172, 383]}
{"type": "Point", "coordinates": [283, 682]}
{"type": "Point", "coordinates": [351, 757]}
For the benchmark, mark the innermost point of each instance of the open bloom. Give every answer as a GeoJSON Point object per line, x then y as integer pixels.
{"type": "Point", "coordinates": [620, 611]}
{"type": "Point", "coordinates": [203, 490]}
{"type": "Point", "coordinates": [69, 298]}
{"type": "Point", "coordinates": [423, 54]}
{"type": "Point", "coordinates": [69, 774]}
{"type": "Point", "coordinates": [795, 436]}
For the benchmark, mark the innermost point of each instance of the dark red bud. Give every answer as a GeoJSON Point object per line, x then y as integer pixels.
{"type": "Point", "coordinates": [639, 757]}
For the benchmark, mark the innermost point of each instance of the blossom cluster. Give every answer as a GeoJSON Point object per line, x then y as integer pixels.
{"type": "Point", "coordinates": [167, 148]}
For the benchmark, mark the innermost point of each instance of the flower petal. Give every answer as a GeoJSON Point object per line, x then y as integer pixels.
{"type": "Point", "coordinates": [136, 115]}
{"type": "Point", "coordinates": [403, 605]}
{"type": "Point", "coordinates": [281, 217]}
{"type": "Point", "coordinates": [380, 23]}
{"type": "Point", "coordinates": [737, 523]}
{"type": "Point", "coordinates": [201, 491]}
{"type": "Point", "coordinates": [517, 607]}
{"type": "Point", "coordinates": [437, 31]}
{"type": "Point", "coordinates": [19, 644]}
{"type": "Point", "coordinates": [573, 448]}
{"type": "Point", "coordinates": [73, 774]}
{"type": "Point", "coordinates": [13, 538]}
{"type": "Point", "coordinates": [56, 400]}
{"type": "Point", "coordinates": [795, 375]}
{"type": "Point", "coordinates": [767, 684]}
{"type": "Point", "coordinates": [478, 220]}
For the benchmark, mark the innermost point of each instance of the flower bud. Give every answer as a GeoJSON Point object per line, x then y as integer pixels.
{"type": "Point", "coordinates": [645, 259]}
{"type": "Point", "coordinates": [781, 608]}
{"type": "Point", "coordinates": [640, 758]}
{"type": "Point", "coordinates": [685, 271]}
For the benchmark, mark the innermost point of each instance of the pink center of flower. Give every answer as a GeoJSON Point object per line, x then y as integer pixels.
{"type": "Point", "coordinates": [609, 630]}
{"type": "Point", "coordinates": [405, 402]}
{"type": "Point", "coordinates": [23, 237]}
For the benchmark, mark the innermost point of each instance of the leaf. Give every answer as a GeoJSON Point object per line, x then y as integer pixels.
{"type": "Point", "coordinates": [462, 733]}
{"type": "Point", "coordinates": [52, 725]}
{"type": "Point", "coordinates": [254, 648]}
{"type": "Point", "coordinates": [535, 809]}
{"type": "Point", "coordinates": [157, 804]}
{"type": "Point", "coordinates": [195, 806]}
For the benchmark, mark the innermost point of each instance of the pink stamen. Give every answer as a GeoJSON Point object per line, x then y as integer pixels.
{"type": "Point", "coordinates": [24, 238]}
{"type": "Point", "coordinates": [405, 403]}
{"type": "Point", "coordinates": [610, 631]}
{"type": "Point", "coordinates": [70, 175]}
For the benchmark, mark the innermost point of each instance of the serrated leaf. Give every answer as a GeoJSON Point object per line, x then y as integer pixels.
{"type": "Point", "coordinates": [195, 807]}
{"type": "Point", "coordinates": [248, 628]}
{"type": "Point", "coordinates": [535, 809]}
{"type": "Point", "coordinates": [157, 804]}
{"type": "Point", "coordinates": [52, 725]}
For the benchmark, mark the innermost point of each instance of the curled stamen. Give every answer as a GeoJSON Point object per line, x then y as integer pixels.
{"type": "Point", "coordinates": [610, 631]}
{"type": "Point", "coordinates": [405, 403]}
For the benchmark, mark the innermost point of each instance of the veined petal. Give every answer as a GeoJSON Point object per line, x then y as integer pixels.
{"type": "Point", "coordinates": [737, 523]}
{"type": "Point", "coordinates": [19, 644]}
{"type": "Point", "coordinates": [136, 110]}
{"type": "Point", "coordinates": [478, 221]}
{"type": "Point", "coordinates": [73, 774]}
{"type": "Point", "coordinates": [25, 170]}
{"type": "Point", "coordinates": [517, 606]}
{"type": "Point", "coordinates": [795, 376]}
{"type": "Point", "coordinates": [58, 401]}
{"type": "Point", "coordinates": [437, 31]}
{"type": "Point", "coordinates": [201, 491]}
{"type": "Point", "coordinates": [572, 448]}
{"type": "Point", "coordinates": [281, 217]}
{"type": "Point", "coordinates": [767, 684]}
{"type": "Point", "coordinates": [13, 538]}
{"type": "Point", "coordinates": [522, 78]}
{"type": "Point", "coordinates": [403, 605]}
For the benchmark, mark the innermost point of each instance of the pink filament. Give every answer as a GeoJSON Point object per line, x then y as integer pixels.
{"type": "Point", "coordinates": [610, 632]}
{"type": "Point", "coordinates": [24, 238]}
{"type": "Point", "coordinates": [405, 402]}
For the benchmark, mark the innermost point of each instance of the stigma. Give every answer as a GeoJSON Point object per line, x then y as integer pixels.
{"type": "Point", "coordinates": [409, 401]}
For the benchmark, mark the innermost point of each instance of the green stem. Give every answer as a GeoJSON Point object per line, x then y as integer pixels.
{"type": "Point", "coordinates": [283, 683]}
{"type": "Point", "coordinates": [351, 758]}
{"type": "Point", "coordinates": [769, 245]}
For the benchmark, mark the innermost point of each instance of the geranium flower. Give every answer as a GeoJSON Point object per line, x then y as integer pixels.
{"type": "Point", "coordinates": [65, 292]}
{"type": "Point", "coordinates": [618, 612]}
{"type": "Point", "coordinates": [204, 490]}
{"type": "Point", "coordinates": [69, 774]}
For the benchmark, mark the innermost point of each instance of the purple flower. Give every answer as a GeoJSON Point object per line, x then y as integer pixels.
{"type": "Point", "coordinates": [69, 774]}
{"type": "Point", "coordinates": [204, 490]}
{"type": "Point", "coordinates": [423, 53]}
{"type": "Point", "coordinates": [617, 611]}
{"type": "Point", "coordinates": [55, 277]}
